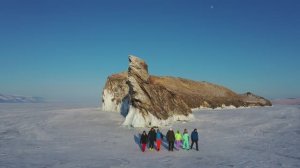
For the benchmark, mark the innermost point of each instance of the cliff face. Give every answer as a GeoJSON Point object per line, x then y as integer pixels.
{"type": "Point", "coordinates": [115, 94]}
{"type": "Point", "coordinates": [151, 104]}
{"type": "Point", "coordinates": [154, 101]}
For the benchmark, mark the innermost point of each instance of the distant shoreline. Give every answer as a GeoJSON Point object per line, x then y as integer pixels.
{"type": "Point", "coordinates": [287, 101]}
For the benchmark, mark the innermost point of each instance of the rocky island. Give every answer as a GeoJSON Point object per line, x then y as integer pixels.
{"type": "Point", "coordinates": [147, 100]}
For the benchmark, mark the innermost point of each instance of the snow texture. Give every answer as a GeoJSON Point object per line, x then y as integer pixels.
{"type": "Point", "coordinates": [73, 136]}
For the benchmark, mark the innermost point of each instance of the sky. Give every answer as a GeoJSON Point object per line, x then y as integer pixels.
{"type": "Point", "coordinates": [65, 49]}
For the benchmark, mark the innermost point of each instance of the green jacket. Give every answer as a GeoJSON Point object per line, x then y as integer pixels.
{"type": "Point", "coordinates": [178, 137]}
{"type": "Point", "coordinates": [186, 137]}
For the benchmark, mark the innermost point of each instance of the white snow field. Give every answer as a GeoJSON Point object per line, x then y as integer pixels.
{"type": "Point", "coordinates": [66, 136]}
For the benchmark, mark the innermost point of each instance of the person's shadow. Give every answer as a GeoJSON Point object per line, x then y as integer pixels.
{"type": "Point", "coordinates": [164, 142]}
{"type": "Point", "coordinates": [137, 140]}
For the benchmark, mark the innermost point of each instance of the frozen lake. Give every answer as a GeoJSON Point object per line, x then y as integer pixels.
{"type": "Point", "coordinates": [73, 136]}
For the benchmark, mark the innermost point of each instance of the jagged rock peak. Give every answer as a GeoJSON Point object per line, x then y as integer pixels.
{"type": "Point", "coordinates": [138, 68]}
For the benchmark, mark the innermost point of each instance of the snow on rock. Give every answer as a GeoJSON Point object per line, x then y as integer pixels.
{"type": "Point", "coordinates": [218, 108]}
{"type": "Point", "coordinates": [115, 94]}
{"type": "Point", "coordinates": [109, 104]}
{"type": "Point", "coordinates": [136, 119]}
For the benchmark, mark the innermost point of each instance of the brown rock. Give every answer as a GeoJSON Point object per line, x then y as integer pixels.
{"type": "Point", "coordinates": [154, 101]}
{"type": "Point", "coordinates": [253, 100]}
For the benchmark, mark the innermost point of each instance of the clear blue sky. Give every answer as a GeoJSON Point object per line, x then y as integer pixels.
{"type": "Point", "coordinates": [65, 49]}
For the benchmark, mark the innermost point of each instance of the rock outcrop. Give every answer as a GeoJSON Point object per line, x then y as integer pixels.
{"type": "Point", "coordinates": [148, 100]}
{"type": "Point", "coordinates": [115, 95]}
{"type": "Point", "coordinates": [254, 100]}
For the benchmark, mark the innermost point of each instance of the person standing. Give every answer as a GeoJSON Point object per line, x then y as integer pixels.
{"type": "Point", "coordinates": [194, 137]}
{"type": "Point", "coordinates": [185, 138]}
{"type": "Point", "coordinates": [152, 138]}
{"type": "Point", "coordinates": [143, 141]}
{"type": "Point", "coordinates": [171, 138]}
{"type": "Point", "coordinates": [159, 137]}
{"type": "Point", "coordinates": [178, 139]}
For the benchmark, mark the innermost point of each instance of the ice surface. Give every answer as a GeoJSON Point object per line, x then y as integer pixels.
{"type": "Point", "coordinates": [60, 136]}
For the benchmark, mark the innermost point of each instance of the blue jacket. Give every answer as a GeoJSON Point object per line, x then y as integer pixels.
{"type": "Point", "coordinates": [159, 136]}
{"type": "Point", "coordinates": [194, 136]}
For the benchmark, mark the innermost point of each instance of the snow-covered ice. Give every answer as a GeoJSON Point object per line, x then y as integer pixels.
{"type": "Point", "coordinates": [72, 136]}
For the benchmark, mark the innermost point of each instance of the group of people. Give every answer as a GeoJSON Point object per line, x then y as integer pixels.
{"type": "Point", "coordinates": [180, 140]}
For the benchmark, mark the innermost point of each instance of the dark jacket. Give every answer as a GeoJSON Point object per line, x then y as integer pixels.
{"type": "Point", "coordinates": [152, 135]}
{"type": "Point", "coordinates": [144, 139]}
{"type": "Point", "coordinates": [194, 136]}
{"type": "Point", "coordinates": [170, 136]}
